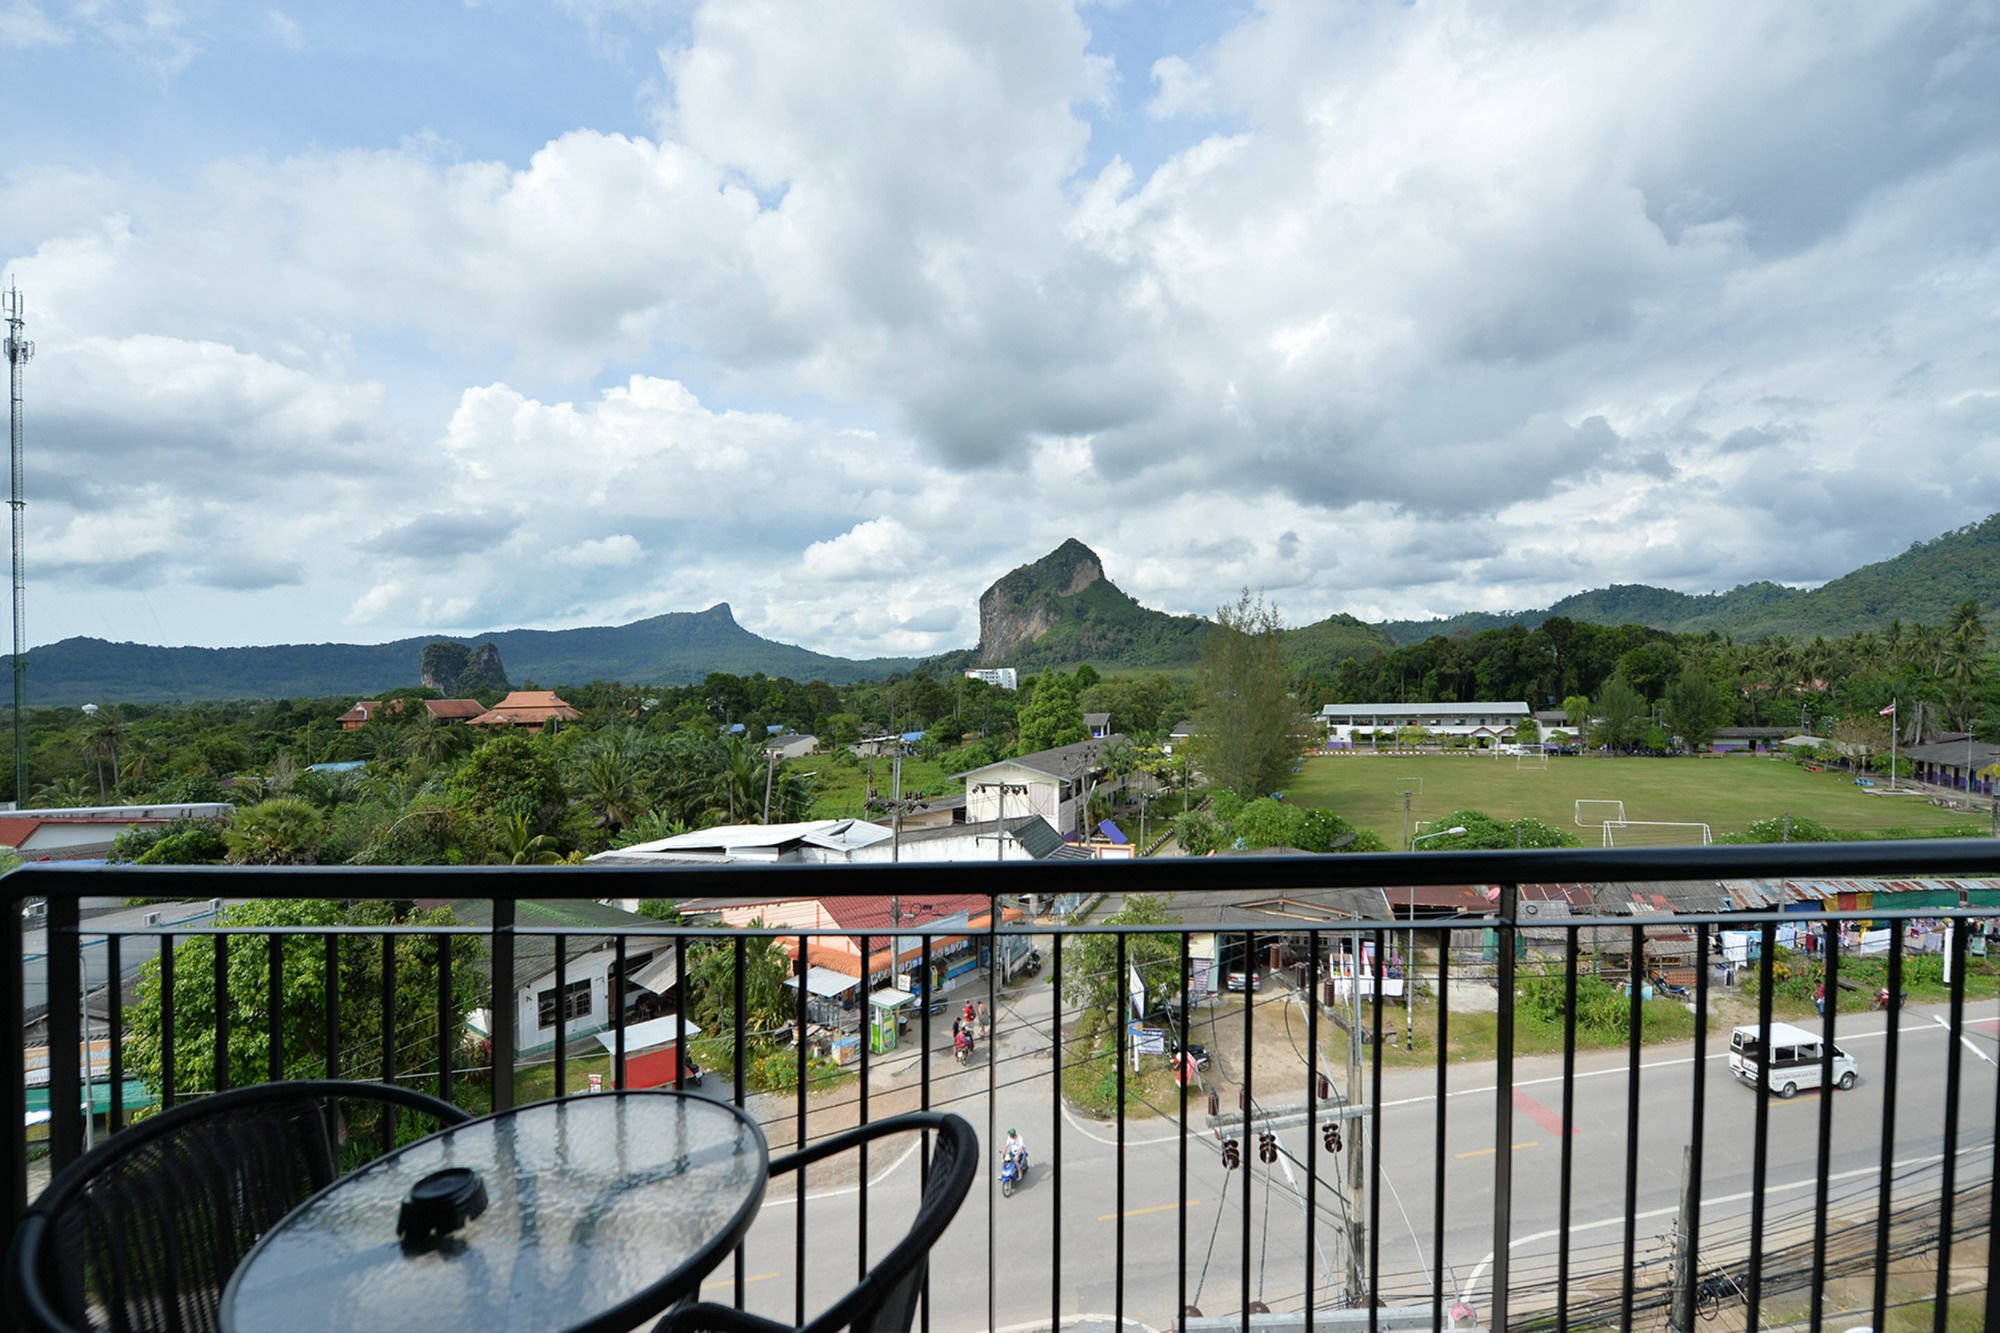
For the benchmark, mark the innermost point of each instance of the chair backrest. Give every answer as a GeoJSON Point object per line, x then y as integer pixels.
{"type": "Point", "coordinates": [885, 1300]}
{"type": "Point", "coordinates": [141, 1233]}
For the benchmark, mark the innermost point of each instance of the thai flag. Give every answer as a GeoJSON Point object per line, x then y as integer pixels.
{"type": "Point", "coordinates": [1890, 711]}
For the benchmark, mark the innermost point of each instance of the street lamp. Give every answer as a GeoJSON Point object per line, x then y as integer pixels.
{"type": "Point", "coordinates": [1410, 972]}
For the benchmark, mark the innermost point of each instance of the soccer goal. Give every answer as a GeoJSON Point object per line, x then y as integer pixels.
{"type": "Point", "coordinates": [1595, 814]}
{"type": "Point", "coordinates": [1531, 757]}
{"type": "Point", "coordinates": [1655, 833]}
{"type": "Point", "coordinates": [1415, 786]}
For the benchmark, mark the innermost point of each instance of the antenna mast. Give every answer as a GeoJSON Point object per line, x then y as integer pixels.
{"type": "Point", "coordinates": [19, 350]}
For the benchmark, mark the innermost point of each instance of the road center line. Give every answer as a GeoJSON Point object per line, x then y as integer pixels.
{"type": "Point", "coordinates": [1156, 1208]}
{"type": "Point", "coordinates": [1488, 1152]}
{"type": "Point", "coordinates": [730, 1281]}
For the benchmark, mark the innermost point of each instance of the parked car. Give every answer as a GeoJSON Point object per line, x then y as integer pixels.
{"type": "Point", "coordinates": [1234, 980]}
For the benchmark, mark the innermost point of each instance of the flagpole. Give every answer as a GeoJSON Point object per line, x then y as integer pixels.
{"type": "Point", "coordinates": [1893, 719]}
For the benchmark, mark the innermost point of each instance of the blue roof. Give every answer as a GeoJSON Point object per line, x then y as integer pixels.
{"type": "Point", "coordinates": [1113, 832]}
{"type": "Point", "coordinates": [913, 736]}
{"type": "Point", "coordinates": [352, 765]}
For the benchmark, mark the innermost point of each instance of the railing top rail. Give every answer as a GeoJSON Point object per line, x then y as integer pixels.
{"type": "Point", "coordinates": [1899, 859]}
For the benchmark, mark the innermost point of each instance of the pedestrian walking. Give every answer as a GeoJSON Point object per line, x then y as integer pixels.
{"type": "Point", "coordinates": [982, 1019]}
{"type": "Point", "coordinates": [1819, 998]}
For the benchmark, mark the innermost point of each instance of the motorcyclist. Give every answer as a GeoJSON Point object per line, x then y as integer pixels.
{"type": "Point", "coordinates": [1015, 1149]}
{"type": "Point", "coordinates": [964, 1041]}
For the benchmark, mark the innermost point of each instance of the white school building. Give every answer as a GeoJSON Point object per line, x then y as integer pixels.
{"type": "Point", "coordinates": [1478, 721]}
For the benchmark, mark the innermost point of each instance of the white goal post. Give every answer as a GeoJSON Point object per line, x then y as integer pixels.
{"type": "Point", "coordinates": [1595, 814]}
{"type": "Point", "coordinates": [1655, 833]}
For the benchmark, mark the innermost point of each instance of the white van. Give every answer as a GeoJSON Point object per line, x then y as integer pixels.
{"type": "Point", "coordinates": [1794, 1062]}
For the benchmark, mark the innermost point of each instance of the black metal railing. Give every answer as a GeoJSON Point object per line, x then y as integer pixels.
{"type": "Point", "coordinates": [1907, 1170]}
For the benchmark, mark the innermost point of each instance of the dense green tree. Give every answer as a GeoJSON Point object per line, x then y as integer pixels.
{"type": "Point", "coordinates": [1090, 973]}
{"type": "Point", "coordinates": [303, 1020]}
{"type": "Point", "coordinates": [1620, 713]}
{"type": "Point", "coordinates": [1485, 833]}
{"type": "Point", "coordinates": [1696, 707]}
{"type": "Point", "coordinates": [280, 832]}
{"type": "Point", "coordinates": [1248, 727]}
{"type": "Point", "coordinates": [1051, 717]}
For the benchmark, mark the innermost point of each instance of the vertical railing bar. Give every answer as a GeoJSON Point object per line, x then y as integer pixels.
{"type": "Point", "coordinates": [1572, 963]}
{"type": "Point", "coordinates": [114, 1009]}
{"type": "Point", "coordinates": [275, 1007]}
{"type": "Point", "coordinates": [1760, 1149]}
{"type": "Point", "coordinates": [1953, 1072]}
{"type": "Point", "coordinates": [1635, 1023]}
{"type": "Point", "coordinates": [220, 1078]}
{"type": "Point", "coordinates": [990, 1041]}
{"type": "Point", "coordinates": [332, 1015]}
{"type": "Point", "coordinates": [1118, 1207]}
{"type": "Point", "coordinates": [680, 1014]}
{"type": "Point", "coordinates": [614, 989]}
{"type": "Point", "coordinates": [924, 1096]}
{"type": "Point", "coordinates": [1375, 1143]}
{"type": "Point", "coordinates": [1993, 1192]}
{"type": "Point", "coordinates": [168, 1015]}
{"type": "Point", "coordinates": [561, 1015]}
{"type": "Point", "coordinates": [64, 949]}
{"type": "Point", "coordinates": [799, 1046]}
{"type": "Point", "coordinates": [448, 1024]}
{"type": "Point", "coordinates": [1311, 989]}
{"type": "Point", "coordinates": [1892, 1050]}
{"type": "Point", "coordinates": [861, 1192]}
{"type": "Point", "coordinates": [14, 1098]}
{"type": "Point", "coordinates": [1181, 1220]}
{"type": "Point", "coordinates": [1055, 1139]}
{"type": "Point", "coordinates": [1249, 1108]}
{"type": "Point", "coordinates": [1828, 1029]}
{"type": "Point", "coordinates": [739, 1051]}
{"type": "Point", "coordinates": [505, 1006]}
{"type": "Point", "coordinates": [1697, 1131]}
{"type": "Point", "coordinates": [1503, 1110]}
{"type": "Point", "coordinates": [388, 1121]}
{"type": "Point", "coordinates": [1443, 1063]}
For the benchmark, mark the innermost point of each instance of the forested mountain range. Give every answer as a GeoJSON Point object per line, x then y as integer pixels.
{"type": "Point", "coordinates": [678, 648]}
{"type": "Point", "coordinates": [1922, 584]}
{"type": "Point", "coordinates": [1059, 611]}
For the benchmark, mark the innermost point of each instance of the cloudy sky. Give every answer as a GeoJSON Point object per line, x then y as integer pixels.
{"type": "Point", "coordinates": [368, 320]}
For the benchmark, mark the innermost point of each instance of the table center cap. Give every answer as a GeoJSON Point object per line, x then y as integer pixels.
{"type": "Point", "coordinates": [441, 1203]}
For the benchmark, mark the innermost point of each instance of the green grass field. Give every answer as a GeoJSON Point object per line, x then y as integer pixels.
{"type": "Point", "coordinates": [1726, 793]}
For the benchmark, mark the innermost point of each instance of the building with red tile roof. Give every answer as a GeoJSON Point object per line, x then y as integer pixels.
{"type": "Point", "coordinates": [531, 710]}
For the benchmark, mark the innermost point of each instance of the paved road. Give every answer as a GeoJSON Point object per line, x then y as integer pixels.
{"type": "Point", "coordinates": [1214, 1214]}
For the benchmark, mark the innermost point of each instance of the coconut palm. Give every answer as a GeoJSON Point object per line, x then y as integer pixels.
{"type": "Point", "coordinates": [520, 845]}
{"type": "Point", "coordinates": [1964, 647]}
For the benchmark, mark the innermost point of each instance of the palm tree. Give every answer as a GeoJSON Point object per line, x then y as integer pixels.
{"type": "Point", "coordinates": [520, 845]}
{"type": "Point", "coordinates": [1965, 641]}
{"type": "Point", "coordinates": [739, 777]}
{"type": "Point", "coordinates": [101, 743]}
{"type": "Point", "coordinates": [602, 777]}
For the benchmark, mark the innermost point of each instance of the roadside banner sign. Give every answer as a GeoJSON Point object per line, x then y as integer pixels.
{"type": "Point", "coordinates": [1137, 990]}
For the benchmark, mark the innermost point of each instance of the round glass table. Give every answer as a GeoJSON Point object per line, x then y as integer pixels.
{"type": "Point", "coordinates": [597, 1212]}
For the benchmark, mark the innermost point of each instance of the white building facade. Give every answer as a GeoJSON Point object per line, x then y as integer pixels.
{"type": "Point", "coordinates": [1474, 721]}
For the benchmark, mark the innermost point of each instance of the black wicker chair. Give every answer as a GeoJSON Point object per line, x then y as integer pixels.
{"type": "Point", "coordinates": [885, 1301]}
{"type": "Point", "coordinates": [140, 1234]}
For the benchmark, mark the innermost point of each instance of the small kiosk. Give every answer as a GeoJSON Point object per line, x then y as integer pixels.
{"type": "Point", "coordinates": [885, 1013]}
{"type": "Point", "coordinates": [652, 1050]}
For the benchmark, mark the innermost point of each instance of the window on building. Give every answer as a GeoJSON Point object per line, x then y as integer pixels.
{"type": "Point", "coordinates": [576, 1003]}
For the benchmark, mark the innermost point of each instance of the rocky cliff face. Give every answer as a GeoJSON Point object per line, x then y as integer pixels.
{"type": "Point", "coordinates": [1020, 607]}
{"type": "Point", "coordinates": [454, 670]}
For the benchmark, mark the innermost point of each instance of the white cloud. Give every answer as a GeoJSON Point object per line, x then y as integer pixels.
{"type": "Point", "coordinates": [24, 25]}
{"type": "Point", "coordinates": [1471, 305]}
{"type": "Point", "coordinates": [617, 551]}
{"type": "Point", "coordinates": [285, 30]}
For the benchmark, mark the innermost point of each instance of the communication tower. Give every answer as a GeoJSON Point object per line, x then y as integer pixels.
{"type": "Point", "coordinates": [19, 351]}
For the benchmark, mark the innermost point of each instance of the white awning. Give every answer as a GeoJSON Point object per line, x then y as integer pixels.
{"type": "Point", "coordinates": [825, 982]}
{"type": "Point", "coordinates": [891, 998]}
{"type": "Point", "coordinates": [660, 975]}
{"type": "Point", "coordinates": [645, 1036]}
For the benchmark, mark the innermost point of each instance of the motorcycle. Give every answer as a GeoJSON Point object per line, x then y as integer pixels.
{"type": "Point", "coordinates": [1013, 1170]}
{"type": "Point", "coordinates": [1034, 963]}
{"type": "Point", "coordinates": [962, 1053]}
{"type": "Point", "coordinates": [1882, 998]}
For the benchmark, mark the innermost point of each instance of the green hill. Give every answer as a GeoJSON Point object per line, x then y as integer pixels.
{"type": "Point", "coordinates": [1061, 610]}
{"type": "Point", "coordinates": [1922, 585]}
{"type": "Point", "coordinates": [673, 649]}
{"type": "Point", "coordinates": [1325, 644]}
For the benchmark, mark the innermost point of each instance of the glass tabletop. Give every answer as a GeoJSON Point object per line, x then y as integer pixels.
{"type": "Point", "coordinates": [601, 1210]}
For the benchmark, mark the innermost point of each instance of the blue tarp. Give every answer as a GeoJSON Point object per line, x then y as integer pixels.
{"type": "Point", "coordinates": [1113, 832]}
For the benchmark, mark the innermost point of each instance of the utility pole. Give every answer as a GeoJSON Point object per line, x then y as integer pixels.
{"type": "Point", "coordinates": [19, 352]}
{"type": "Point", "coordinates": [1681, 1320]}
